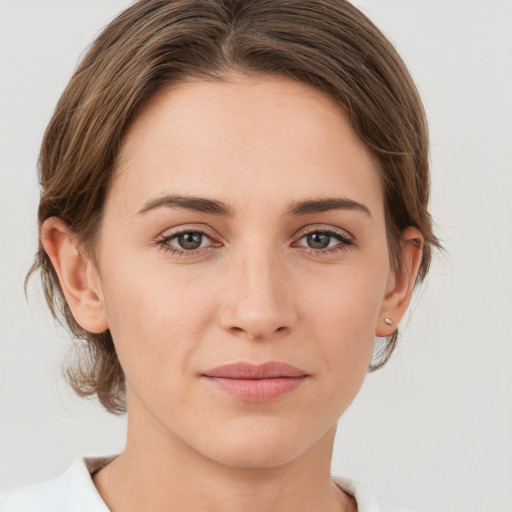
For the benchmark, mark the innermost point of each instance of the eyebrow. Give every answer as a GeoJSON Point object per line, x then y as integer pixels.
{"type": "Point", "coordinates": [325, 205]}
{"type": "Point", "coordinates": [197, 204]}
{"type": "Point", "coordinates": [214, 207]}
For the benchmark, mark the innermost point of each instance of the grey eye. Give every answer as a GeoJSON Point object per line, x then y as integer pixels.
{"type": "Point", "coordinates": [324, 239]}
{"type": "Point", "coordinates": [190, 240]}
{"type": "Point", "coordinates": [318, 240]}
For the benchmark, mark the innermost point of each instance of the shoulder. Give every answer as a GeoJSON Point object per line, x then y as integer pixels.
{"type": "Point", "coordinates": [73, 491]}
{"type": "Point", "coordinates": [366, 500]}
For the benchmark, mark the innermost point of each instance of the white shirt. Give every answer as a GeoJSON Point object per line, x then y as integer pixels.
{"type": "Point", "coordinates": [74, 491]}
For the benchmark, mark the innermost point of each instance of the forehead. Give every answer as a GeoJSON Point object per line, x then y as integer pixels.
{"type": "Point", "coordinates": [245, 139]}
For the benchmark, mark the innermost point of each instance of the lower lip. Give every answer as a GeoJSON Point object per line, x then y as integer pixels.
{"type": "Point", "coordinates": [257, 390]}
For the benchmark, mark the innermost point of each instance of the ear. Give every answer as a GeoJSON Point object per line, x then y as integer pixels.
{"type": "Point", "coordinates": [78, 277]}
{"type": "Point", "coordinates": [401, 283]}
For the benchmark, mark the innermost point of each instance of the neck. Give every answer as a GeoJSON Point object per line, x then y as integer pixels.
{"type": "Point", "coordinates": [157, 471]}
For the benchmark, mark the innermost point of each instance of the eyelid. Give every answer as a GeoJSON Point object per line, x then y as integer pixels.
{"type": "Point", "coordinates": [192, 228]}
{"type": "Point", "coordinates": [345, 241]}
{"type": "Point", "coordinates": [322, 228]}
{"type": "Point", "coordinates": [163, 240]}
{"type": "Point", "coordinates": [203, 228]}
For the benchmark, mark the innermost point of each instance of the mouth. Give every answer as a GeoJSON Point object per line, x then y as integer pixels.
{"type": "Point", "coordinates": [256, 383]}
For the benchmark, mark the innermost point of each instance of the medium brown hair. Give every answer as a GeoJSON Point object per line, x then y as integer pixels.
{"type": "Point", "coordinates": [153, 44]}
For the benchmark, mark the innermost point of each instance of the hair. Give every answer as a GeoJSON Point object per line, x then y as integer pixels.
{"type": "Point", "coordinates": [154, 44]}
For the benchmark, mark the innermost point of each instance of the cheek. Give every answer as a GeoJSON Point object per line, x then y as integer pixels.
{"type": "Point", "coordinates": [155, 318]}
{"type": "Point", "coordinates": [349, 302]}
{"type": "Point", "coordinates": [343, 318]}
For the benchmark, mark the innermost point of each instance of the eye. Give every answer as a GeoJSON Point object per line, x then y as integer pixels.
{"type": "Point", "coordinates": [326, 239]}
{"type": "Point", "coordinates": [186, 242]}
{"type": "Point", "coordinates": [189, 240]}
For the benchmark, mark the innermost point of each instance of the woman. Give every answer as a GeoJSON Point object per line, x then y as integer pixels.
{"type": "Point", "coordinates": [234, 206]}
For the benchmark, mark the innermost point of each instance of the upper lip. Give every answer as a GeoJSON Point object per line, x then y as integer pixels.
{"type": "Point", "coordinates": [248, 371]}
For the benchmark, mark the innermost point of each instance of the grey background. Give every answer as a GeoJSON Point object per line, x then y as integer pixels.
{"type": "Point", "coordinates": [433, 430]}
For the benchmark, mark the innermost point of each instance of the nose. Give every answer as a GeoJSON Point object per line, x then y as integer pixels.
{"type": "Point", "coordinates": [258, 301]}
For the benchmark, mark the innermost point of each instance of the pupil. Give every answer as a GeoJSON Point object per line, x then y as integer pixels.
{"type": "Point", "coordinates": [190, 240]}
{"type": "Point", "coordinates": [318, 240]}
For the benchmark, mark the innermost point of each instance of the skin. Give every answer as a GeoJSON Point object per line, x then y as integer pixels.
{"type": "Point", "coordinates": [255, 291]}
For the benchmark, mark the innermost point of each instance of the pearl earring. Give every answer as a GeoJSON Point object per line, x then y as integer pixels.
{"type": "Point", "coordinates": [388, 321]}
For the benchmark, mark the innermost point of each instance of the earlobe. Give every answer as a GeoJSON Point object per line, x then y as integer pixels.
{"type": "Point", "coordinates": [77, 275]}
{"type": "Point", "coordinates": [401, 284]}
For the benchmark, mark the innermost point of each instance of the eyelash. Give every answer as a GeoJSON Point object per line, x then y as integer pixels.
{"type": "Point", "coordinates": [345, 242]}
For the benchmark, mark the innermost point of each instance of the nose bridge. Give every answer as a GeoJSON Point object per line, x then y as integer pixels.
{"type": "Point", "coordinates": [258, 302]}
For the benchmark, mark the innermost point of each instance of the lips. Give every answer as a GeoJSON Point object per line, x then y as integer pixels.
{"type": "Point", "coordinates": [256, 383]}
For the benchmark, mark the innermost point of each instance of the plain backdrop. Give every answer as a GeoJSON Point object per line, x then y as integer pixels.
{"type": "Point", "coordinates": [433, 430]}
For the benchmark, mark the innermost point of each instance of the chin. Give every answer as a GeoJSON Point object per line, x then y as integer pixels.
{"type": "Point", "coordinates": [250, 456]}
{"type": "Point", "coordinates": [257, 446]}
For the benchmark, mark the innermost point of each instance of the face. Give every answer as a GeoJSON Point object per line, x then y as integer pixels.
{"type": "Point", "coordinates": [245, 227]}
